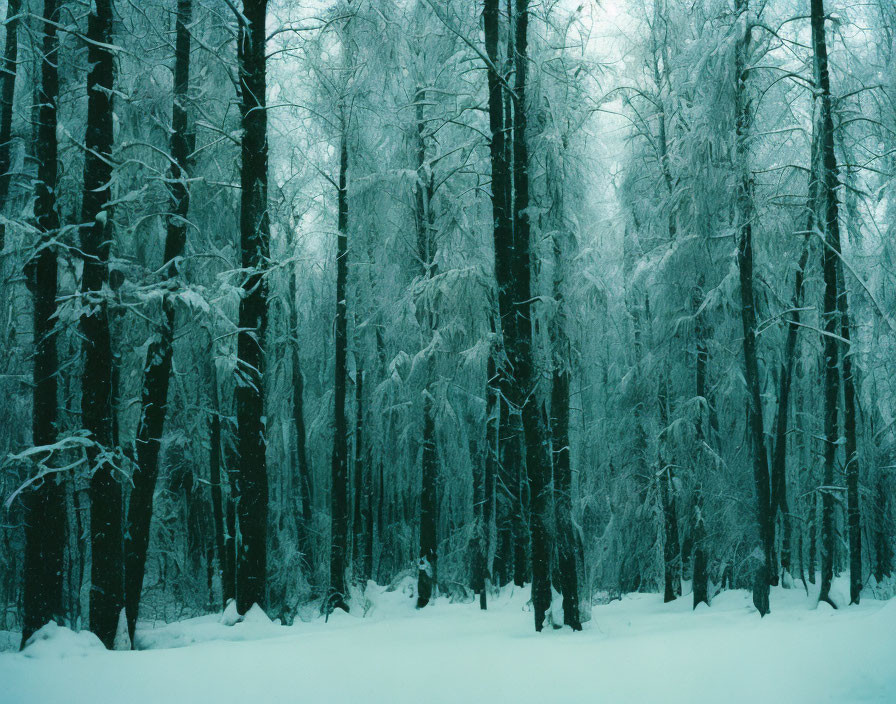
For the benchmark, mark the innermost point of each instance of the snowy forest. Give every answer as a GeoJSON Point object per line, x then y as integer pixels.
{"type": "Point", "coordinates": [305, 304]}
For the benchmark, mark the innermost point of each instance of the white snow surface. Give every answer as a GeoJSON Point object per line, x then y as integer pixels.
{"type": "Point", "coordinates": [633, 650]}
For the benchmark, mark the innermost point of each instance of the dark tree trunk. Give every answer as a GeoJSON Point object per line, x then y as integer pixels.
{"type": "Point", "coordinates": [830, 316]}
{"type": "Point", "coordinates": [221, 510]}
{"type": "Point", "coordinates": [106, 538]}
{"type": "Point", "coordinates": [701, 573]}
{"type": "Point", "coordinates": [507, 513]}
{"type": "Point", "coordinates": [487, 529]}
{"type": "Point", "coordinates": [157, 370]}
{"type": "Point", "coordinates": [381, 517]}
{"type": "Point", "coordinates": [477, 543]}
{"type": "Point", "coordinates": [701, 577]}
{"type": "Point", "coordinates": [515, 121]}
{"type": "Point", "coordinates": [339, 491]}
{"type": "Point", "coordinates": [513, 275]}
{"type": "Point", "coordinates": [228, 588]}
{"type": "Point", "coordinates": [761, 579]}
{"type": "Point", "coordinates": [525, 393]}
{"type": "Point", "coordinates": [484, 486]}
{"type": "Point", "coordinates": [510, 519]}
{"type": "Point", "coordinates": [853, 512]}
{"type": "Point", "coordinates": [298, 414]}
{"type": "Point", "coordinates": [7, 94]}
{"type": "Point", "coordinates": [883, 548]}
{"type": "Point", "coordinates": [671, 542]}
{"type": "Point", "coordinates": [850, 401]}
{"type": "Point", "coordinates": [812, 500]}
{"type": "Point", "coordinates": [367, 516]}
{"type": "Point", "coordinates": [359, 554]}
{"type": "Point", "coordinates": [568, 553]}
{"type": "Point", "coordinates": [567, 544]}
{"type": "Point", "coordinates": [521, 507]}
{"type": "Point", "coordinates": [427, 567]}
{"type": "Point", "coordinates": [217, 503]}
{"type": "Point", "coordinates": [779, 506]}
{"type": "Point", "coordinates": [252, 478]}
{"type": "Point", "coordinates": [835, 277]}
{"type": "Point", "coordinates": [45, 501]}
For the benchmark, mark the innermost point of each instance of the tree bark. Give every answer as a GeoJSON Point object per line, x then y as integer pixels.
{"type": "Point", "coordinates": [45, 502]}
{"type": "Point", "coordinates": [427, 567]}
{"type": "Point", "coordinates": [298, 414]}
{"type": "Point", "coordinates": [218, 503]}
{"type": "Point", "coordinates": [701, 577]}
{"type": "Point", "coordinates": [252, 478]}
{"type": "Point", "coordinates": [779, 505]}
{"type": "Point", "coordinates": [671, 542]}
{"type": "Point", "coordinates": [513, 276]}
{"type": "Point", "coordinates": [568, 552]}
{"type": "Point", "coordinates": [7, 95]}
{"type": "Point", "coordinates": [567, 543]}
{"type": "Point", "coordinates": [883, 548]}
{"type": "Point", "coordinates": [359, 556]}
{"type": "Point", "coordinates": [484, 481]}
{"type": "Point", "coordinates": [853, 511]}
{"type": "Point", "coordinates": [700, 574]}
{"type": "Point", "coordinates": [157, 370]}
{"type": "Point", "coordinates": [837, 363]}
{"type": "Point", "coordinates": [525, 393]}
{"type": "Point", "coordinates": [339, 491]}
{"type": "Point", "coordinates": [106, 538]}
{"type": "Point", "coordinates": [748, 319]}
{"type": "Point", "coordinates": [512, 540]}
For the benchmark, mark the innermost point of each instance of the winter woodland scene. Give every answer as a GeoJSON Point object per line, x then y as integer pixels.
{"type": "Point", "coordinates": [445, 351]}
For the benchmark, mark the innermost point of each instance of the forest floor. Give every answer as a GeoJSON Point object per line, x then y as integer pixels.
{"type": "Point", "coordinates": [632, 650]}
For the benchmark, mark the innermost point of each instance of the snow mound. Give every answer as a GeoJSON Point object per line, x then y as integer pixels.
{"type": "Point", "coordinates": [256, 614]}
{"type": "Point", "coordinates": [54, 641]}
{"type": "Point", "coordinates": [231, 616]}
{"type": "Point", "coordinates": [122, 637]}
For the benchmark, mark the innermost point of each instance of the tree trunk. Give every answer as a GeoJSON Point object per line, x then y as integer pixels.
{"type": "Point", "coordinates": [701, 577]}
{"type": "Point", "coordinates": [831, 295]}
{"type": "Point", "coordinates": [298, 415]}
{"type": "Point", "coordinates": [507, 505]}
{"type": "Point", "coordinates": [360, 558]}
{"type": "Point", "coordinates": [700, 574]}
{"type": "Point", "coordinates": [748, 319]}
{"type": "Point", "coordinates": [779, 505]}
{"type": "Point", "coordinates": [252, 477]}
{"type": "Point", "coordinates": [489, 509]}
{"type": "Point", "coordinates": [217, 503]}
{"type": "Point", "coordinates": [106, 538]}
{"type": "Point", "coordinates": [157, 371]}
{"type": "Point", "coordinates": [853, 512]}
{"type": "Point", "coordinates": [567, 543]}
{"type": "Point", "coordinates": [812, 501]}
{"type": "Point", "coordinates": [883, 548]}
{"type": "Point", "coordinates": [568, 552]}
{"type": "Point", "coordinates": [45, 502]}
{"type": "Point", "coordinates": [339, 492]}
{"type": "Point", "coordinates": [538, 462]}
{"type": "Point", "coordinates": [484, 482]}
{"type": "Point", "coordinates": [427, 566]}
{"type": "Point", "coordinates": [513, 275]}
{"type": "Point", "coordinates": [671, 542]}
{"type": "Point", "coordinates": [7, 95]}
{"type": "Point", "coordinates": [833, 249]}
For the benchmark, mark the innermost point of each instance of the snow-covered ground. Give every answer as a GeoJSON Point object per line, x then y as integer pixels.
{"type": "Point", "coordinates": [633, 650]}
